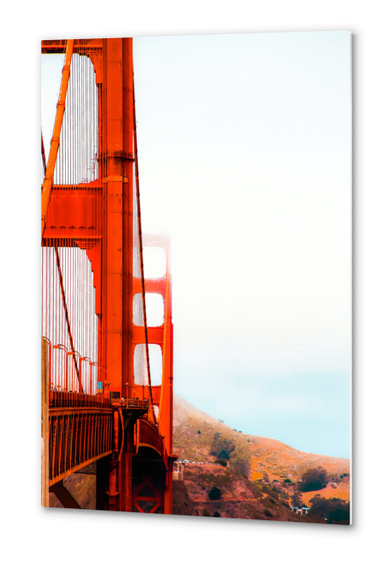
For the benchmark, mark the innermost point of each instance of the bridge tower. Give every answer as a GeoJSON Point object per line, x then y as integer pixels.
{"type": "Point", "coordinates": [102, 217]}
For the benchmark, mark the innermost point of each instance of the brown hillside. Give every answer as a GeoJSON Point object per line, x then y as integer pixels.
{"type": "Point", "coordinates": [280, 460]}
{"type": "Point", "coordinates": [264, 461]}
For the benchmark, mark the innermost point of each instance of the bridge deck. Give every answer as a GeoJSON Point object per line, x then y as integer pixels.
{"type": "Point", "coordinates": [77, 437]}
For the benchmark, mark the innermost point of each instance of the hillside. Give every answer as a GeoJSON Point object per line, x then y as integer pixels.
{"type": "Point", "coordinates": [260, 475]}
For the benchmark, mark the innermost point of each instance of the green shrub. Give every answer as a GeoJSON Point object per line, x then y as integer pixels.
{"type": "Point", "coordinates": [215, 493]}
{"type": "Point", "coordinates": [224, 454]}
{"type": "Point", "coordinates": [314, 479]}
{"type": "Point", "coordinates": [334, 510]}
{"type": "Point", "coordinates": [234, 450]}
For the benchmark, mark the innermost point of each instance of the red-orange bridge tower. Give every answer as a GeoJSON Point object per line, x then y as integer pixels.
{"type": "Point", "coordinates": [98, 401]}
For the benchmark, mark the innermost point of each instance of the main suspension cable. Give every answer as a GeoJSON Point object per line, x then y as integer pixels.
{"type": "Point", "coordinates": [141, 251]}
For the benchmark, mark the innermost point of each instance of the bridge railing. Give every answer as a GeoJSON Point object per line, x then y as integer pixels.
{"type": "Point", "coordinates": [69, 388]}
{"type": "Point", "coordinates": [63, 399]}
{"type": "Point", "coordinates": [147, 435]}
{"type": "Point", "coordinates": [77, 438]}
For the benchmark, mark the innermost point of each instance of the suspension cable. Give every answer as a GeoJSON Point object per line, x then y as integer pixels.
{"type": "Point", "coordinates": [49, 175]}
{"type": "Point", "coordinates": [62, 286]}
{"type": "Point", "coordinates": [141, 252]}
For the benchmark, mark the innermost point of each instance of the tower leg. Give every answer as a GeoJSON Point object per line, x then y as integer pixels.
{"type": "Point", "coordinates": [102, 483]}
{"type": "Point", "coordinates": [126, 472]}
{"type": "Point", "coordinates": [113, 491]}
{"type": "Point", "coordinates": [168, 493]}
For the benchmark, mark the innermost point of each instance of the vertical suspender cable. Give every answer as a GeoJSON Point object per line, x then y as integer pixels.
{"type": "Point", "coordinates": [61, 284]}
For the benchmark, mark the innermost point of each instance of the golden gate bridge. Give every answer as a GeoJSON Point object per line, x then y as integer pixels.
{"type": "Point", "coordinates": [98, 401]}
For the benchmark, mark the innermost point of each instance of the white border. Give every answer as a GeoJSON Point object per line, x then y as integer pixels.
{"type": "Point", "coordinates": [28, 530]}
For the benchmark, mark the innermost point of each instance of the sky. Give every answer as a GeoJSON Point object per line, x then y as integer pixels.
{"type": "Point", "coordinates": [245, 161]}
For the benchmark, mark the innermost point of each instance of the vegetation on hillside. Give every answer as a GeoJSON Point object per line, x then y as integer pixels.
{"type": "Point", "coordinates": [314, 479]}
{"type": "Point", "coordinates": [232, 449]}
{"type": "Point", "coordinates": [332, 511]}
{"type": "Point", "coordinates": [253, 477]}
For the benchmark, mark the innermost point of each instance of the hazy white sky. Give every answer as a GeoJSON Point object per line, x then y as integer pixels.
{"type": "Point", "coordinates": [245, 160]}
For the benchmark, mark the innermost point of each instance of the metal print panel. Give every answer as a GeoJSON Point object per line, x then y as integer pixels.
{"type": "Point", "coordinates": [196, 275]}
